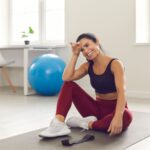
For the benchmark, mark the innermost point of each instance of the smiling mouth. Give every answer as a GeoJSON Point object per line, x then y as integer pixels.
{"type": "Point", "coordinates": [89, 54]}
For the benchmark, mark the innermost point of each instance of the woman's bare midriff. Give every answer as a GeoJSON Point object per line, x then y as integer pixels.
{"type": "Point", "coordinates": [108, 96]}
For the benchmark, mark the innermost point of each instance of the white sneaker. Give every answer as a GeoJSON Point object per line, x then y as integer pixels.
{"type": "Point", "coordinates": [80, 122]}
{"type": "Point", "coordinates": [56, 128]}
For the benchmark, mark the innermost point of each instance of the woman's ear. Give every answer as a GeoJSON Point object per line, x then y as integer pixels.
{"type": "Point", "coordinates": [97, 42]}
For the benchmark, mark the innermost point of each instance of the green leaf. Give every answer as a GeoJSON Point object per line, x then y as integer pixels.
{"type": "Point", "coordinates": [26, 34]}
{"type": "Point", "coordinates": [31, 30]}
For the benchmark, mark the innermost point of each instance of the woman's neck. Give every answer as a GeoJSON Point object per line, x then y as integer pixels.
{"type": "Point", "coordinates": [100, 59]}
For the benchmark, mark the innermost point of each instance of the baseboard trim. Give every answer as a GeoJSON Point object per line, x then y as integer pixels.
{"type": "Point", "coordinates": [138, 94]}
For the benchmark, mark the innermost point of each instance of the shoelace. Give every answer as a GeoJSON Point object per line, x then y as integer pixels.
{"type": "Point", "coordinates": [56, 126]}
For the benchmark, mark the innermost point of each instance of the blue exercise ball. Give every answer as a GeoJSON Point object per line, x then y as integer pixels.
{"type": "Point", "coordinates": [45, 74]}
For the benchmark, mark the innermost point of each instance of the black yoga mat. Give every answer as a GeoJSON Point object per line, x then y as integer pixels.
{"type": "Point", "coordinates": [138, 130]}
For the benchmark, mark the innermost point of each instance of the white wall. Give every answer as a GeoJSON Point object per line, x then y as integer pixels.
{"type": "Point", "coordinates": [3, 22]}
{"type": "Point", "coordinates": [114, 23]}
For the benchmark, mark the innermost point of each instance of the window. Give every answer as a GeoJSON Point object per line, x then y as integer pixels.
{"type": "Point", "coordinates": [46, 17]}
{"type": "Point", "coordinates": [55, 20]}
{"type": "Point", "coordinates": [142, 21]}
{"type": "Point", "coordinates": [24, 13]}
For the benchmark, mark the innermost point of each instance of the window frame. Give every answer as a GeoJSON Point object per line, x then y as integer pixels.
{"type": "Point", "coordinates": [135, 29]}
{"type": "Point", "coordinates": [42, 26]}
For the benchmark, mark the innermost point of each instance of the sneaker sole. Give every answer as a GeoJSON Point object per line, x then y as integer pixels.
{"type": "Point", "coordinates": [56, 135]}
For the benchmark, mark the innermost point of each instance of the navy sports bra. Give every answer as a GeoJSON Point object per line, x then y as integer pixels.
{"type": "Point", "coordinates": [103, 83]}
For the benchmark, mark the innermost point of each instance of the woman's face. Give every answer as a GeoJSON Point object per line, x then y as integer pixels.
{"type": "Point", "coordinates": [89, 49]}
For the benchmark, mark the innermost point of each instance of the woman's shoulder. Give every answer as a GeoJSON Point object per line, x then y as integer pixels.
{"type": "Point", "coordinates": [117, 64]}
{"type": "Point", "coordinates": [116, 61]}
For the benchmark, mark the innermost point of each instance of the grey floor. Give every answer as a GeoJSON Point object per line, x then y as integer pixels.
{"type": "Point", "coordinates": [20, 114]}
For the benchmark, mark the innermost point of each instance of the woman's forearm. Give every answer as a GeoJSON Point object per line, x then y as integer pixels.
{"type": "Point", "coordinates": [121, 102]}
{"type": "Point", "coordinates": [70, 68]}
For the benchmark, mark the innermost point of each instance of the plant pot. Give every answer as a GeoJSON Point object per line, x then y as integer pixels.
{"type": "Point", "coordinates": [27, 42]}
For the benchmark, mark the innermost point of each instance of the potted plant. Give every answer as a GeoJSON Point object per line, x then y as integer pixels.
{"type": "Point", "coordinates": [27, 34]}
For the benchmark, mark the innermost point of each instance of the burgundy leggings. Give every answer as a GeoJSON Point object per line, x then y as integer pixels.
{"type": "Point", "coordinates": [87, 106]}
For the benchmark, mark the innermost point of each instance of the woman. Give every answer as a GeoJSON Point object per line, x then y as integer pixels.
{"type": "Point", "coordinates": [108, 112]}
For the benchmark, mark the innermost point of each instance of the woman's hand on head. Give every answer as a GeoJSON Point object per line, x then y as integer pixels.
{"type": "Point", "coordinates": [76, 48]}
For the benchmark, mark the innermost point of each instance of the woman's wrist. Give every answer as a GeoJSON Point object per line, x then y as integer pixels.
{"type": "Point", "coordinates": [75, 55]}
{"type": "Point", "coordinates": [119, 114]}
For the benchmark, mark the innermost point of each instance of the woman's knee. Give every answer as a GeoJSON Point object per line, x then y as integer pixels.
{"type": "Point", "coordinates": [127, 118]}
{"type": "Point", "coordinates": [69, 84]}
